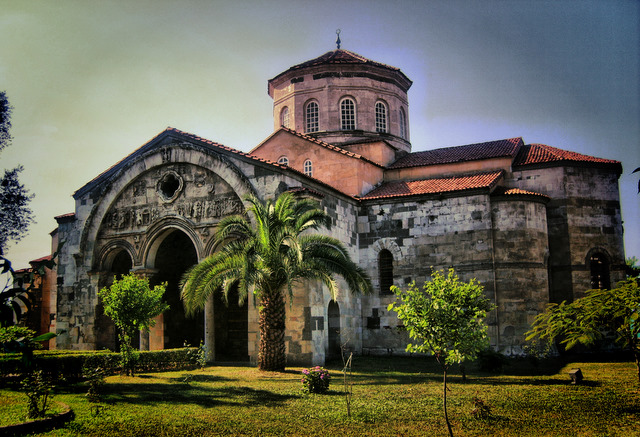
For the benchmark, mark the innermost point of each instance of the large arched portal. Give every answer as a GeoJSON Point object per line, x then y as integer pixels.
{"type": "Point", "coordinates": [231, 328]}
{"type": "Point", "coordinates": [174, 256]}
{"type": "Point", "coordinates": [117, 264]}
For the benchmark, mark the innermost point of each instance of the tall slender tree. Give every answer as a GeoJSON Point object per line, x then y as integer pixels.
{"type": "Point", "coordinates": [268, 256]}
{"type": "Point", "coordinates": [15, 214]}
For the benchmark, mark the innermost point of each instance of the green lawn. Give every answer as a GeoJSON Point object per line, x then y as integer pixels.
{"type": "Point", "coordinates": [391, 396]}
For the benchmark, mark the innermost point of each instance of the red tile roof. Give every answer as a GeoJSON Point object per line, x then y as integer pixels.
{"type": "Point", "coordinates": [472, 152]}
{"type": "Point", "coordinates": [318, 142]}
{"type": "Point", "coordinates": [341, 57]}
{"type": "Point", "coordinates": [542, 154]}
{"type": "Point", "coordinates": [64, 216]}
{"type": "Point", "coordinates": [39, 260]}
{"type": "Point", "coordinates": [152, 142]}
{"type": "Point", "coordinates": [436, 185]}
{"type": "Point", "coordinates": [344, 57]}
{"type": "Point", "coordinates": [503, 191]}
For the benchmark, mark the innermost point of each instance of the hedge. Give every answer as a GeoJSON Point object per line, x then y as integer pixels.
{"type": "Point", "coordinates": [70, 364]}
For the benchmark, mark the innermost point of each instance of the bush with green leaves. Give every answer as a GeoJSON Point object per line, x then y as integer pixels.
{"type": "Point", "coordinates": [315, 380]}
{"type": "Point", "coordinates": [132, 305]}
{"type": "Point", "coordinates": [600, 313]}
{"type": "Point", "coordinates": [37, 387]}
{"type": "Point", "coordinates": [95, 377]}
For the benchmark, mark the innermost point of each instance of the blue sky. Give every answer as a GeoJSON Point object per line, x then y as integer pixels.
{"type": "Point", "coordinates": [91, 81]}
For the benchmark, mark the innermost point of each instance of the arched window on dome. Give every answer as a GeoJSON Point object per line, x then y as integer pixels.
{"type": "Point", "coordinates": [347, 114]}
{"type": "Point", "coordinates": [599, 269]}
{"type": "Point", "coordinates": [403, 124]}
{"type": "Point", "coordinates": [385, 270]}
{"type": "Point", "coordinates": [311, 117]}
{"type": "Point", "coordinates": [381, 117]}
{"type": "Point", "coordinates": [308, 168]}
{"type": "Point", "coordinates": [283, 160]}
{"type": "Point", "coordinates": [284, 117]}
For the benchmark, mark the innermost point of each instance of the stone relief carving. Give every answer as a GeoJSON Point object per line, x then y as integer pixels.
{"type": "Point", "coordinates": [181, 190]}
{"type": "Point", "coordinates": [134, 217]}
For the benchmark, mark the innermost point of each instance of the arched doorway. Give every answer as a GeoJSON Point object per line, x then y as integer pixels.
{"type": "Point", "coordinates": [231, 328]}
{"type": "Point", "coordinates": [333, 314]}
{"type": "Point", "coordinates": [174, 256]}
{"type": "Point", "coordinates": [119, 263]}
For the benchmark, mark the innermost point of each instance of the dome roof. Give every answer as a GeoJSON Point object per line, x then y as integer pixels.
{"type": "Point", "coordinates": [341, 57]}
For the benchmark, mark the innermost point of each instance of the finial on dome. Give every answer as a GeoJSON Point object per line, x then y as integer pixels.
{"type": "Point", "coordinates": [338, 42]}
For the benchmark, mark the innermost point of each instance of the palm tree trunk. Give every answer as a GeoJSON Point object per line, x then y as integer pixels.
{"type": "Point", "coordinates": [271, 355]}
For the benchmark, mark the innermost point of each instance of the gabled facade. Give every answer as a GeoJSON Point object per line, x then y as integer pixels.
{"type": "Point", "coordinates": [533, 223]}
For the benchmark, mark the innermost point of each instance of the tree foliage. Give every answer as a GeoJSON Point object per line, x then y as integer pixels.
{"type": "Point", "coordinates": [5, 120]}
{"type": "Point", "coordinates": [15, 214]}
{"type": "Point", "coordinates": [632, 267]}
{"type": "Point", "coordinates": [446, 318]}
{"type": "Point", "coordinates": [600, 313]}
{"type": "Point", "coordinates": [132, 305]}
{"type": "Point", "coordinates": [270, 258]}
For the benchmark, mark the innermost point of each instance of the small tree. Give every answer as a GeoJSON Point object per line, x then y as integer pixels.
{"type": "Point", "coordinates": [588, 319]}
{"type": "Point", "coordinates": [132, 305]}
{"type": "Point", "coordinates": [446, 317]}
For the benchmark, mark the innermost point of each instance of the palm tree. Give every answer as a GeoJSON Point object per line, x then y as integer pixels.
{"type": "Point", "coordinates": [270, 257]}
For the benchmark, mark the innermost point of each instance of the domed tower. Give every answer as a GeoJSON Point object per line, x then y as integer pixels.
{"type": "Point", "coordinates": [344, 99]}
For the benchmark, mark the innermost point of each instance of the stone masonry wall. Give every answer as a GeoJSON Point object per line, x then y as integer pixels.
{"type": "Point", "coordinates": [582, 215]}
{"type": "Point", "coordinates": [421, 235]}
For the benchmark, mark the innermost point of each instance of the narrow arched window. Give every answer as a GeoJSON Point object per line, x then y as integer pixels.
{"type": "Point", "coordinates": [381, 117]}
{"type": "Point", "coordinates": [599, 267]}
{"type": "Point", "coordinates": [283, 160]}
{"type": "Point", "coordinates": [311, 117]}
{"type": "Point", "coordinates": [347, 114]}
{"type": "Point", "coordinates": [284, 117]}
{"type": "Point", "coordinates": [385, 270]}
{"type": "Point", "coordinates": [403, 124]}
{"type": "Point", "coordinates": [308, 168]}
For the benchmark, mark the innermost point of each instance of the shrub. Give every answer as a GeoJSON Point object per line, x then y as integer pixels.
{"type": "Point", "coordinates": [489, 360]}
{"type": "Point", "coordinates": [37, 387]}
{"type": "Point", "coordinates": [315, 380]}
{"type": "Point", "coordinates": [481, 409]}
{"type": "Point", "coordinates": [70, 364]}
{"type": "Point", "coordinates": [95, 377]}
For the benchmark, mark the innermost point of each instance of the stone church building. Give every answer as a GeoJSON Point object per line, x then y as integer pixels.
{"type": "Point", "coordinates": [533, 223]}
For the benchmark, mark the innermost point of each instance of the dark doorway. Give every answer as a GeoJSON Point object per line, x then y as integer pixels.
{"type": "Point", "coordinates": [106, 333]}
{"type": "Point", "coordinates": [333, 312]}
{"type": "Point", "coordinates": [175, 255]}
{"type": "Point", "coordinates": [231, 328]}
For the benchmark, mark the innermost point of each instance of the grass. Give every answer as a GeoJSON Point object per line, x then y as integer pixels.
{"type": "Point", "coordinates": [391, 396]}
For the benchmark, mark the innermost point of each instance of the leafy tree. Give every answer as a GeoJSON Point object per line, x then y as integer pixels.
{"type": "Point", "coordinates": [632, 267]}
{"type": "Point", "coordinates": [15, 215]}
{"type": "Point", "coordinates": [132, 305]}
{"type": "Point", "coordinates": [446, 318]}
{"type": "Point", "coordinates": [269, 259]}
{"type": "Point", "coordinates": [598, 314]}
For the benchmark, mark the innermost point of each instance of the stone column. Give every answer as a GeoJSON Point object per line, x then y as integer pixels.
{"type": "Point", "coordinates": [210, 331]}
{"type": "Point", "coordinates": [144, 340]}
{"type": "Point", "coordinates": [144, 335]}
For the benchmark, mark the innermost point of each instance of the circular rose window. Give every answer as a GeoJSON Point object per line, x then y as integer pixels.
{"type": "Point", "coordinates": [169, 186]}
